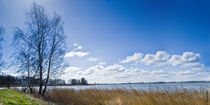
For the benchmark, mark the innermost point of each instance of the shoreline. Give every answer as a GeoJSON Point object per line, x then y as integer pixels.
{"type": "Point", "coordinates": [118, 83]}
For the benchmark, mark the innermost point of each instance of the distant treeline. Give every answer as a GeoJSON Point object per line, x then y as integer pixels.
{"type": "Point", "coordinates": [152, 82]}
{"type": "Point", "coordinates": [162, 82]}
{"type": "Point", "coordinates": [83, 81]}
{"type": "Point", "coordinates": [8, 80]}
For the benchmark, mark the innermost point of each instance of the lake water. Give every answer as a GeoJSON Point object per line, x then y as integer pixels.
{"type": "Point", "coordinates": [146, 87]}
{"type": "Point", "coordinates": [158, 86]}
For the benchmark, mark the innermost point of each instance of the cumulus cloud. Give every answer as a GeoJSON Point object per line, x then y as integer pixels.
{"type": "Point", "coordinates": [12, 72]}
{"type": "Point", "coordinates": [116, 73]}
{"type": "Point", "coordinates": [78, 47]}
{"type": "Point", "coordinates": [187, 59]}
{"type": "Point", "coordinates": [115, 67]}
{"type": "Point", "coordinates": [102, 69]}
{"type": "Point", "coordinates": [159, 59]}
{"type": "Point", "coordinates": [188, 72]}
{"type": "Point", "coordinates": [93, 59]}
{"type": "Point", "coordinates": [73, 68]}
{"type": "Point", "coordinates": [69, 72]}
{"type": "Point", "coordinates": [162, 58]}
{"type": "Point", "coordinates": [93, 69]}
{"type": "Point", "coordinates": [159, 66]}
{"type": "Point", "coordinates": [158, 72]}
{"type": "Point", "coordinates": [76, 53]}
{"type": "Point", "coordinates": [136, 57]}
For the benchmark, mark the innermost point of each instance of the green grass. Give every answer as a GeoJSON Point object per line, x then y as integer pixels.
{"type": "Point", "coordinates": [10, 97]}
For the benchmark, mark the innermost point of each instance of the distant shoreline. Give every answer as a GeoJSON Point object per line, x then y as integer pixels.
{"type": "Point", "coordinates": [152, 82]}
{"type": "Point", "coordinates": [117, 83]}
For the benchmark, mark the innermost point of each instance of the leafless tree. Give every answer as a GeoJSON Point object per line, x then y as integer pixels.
{"type": "Point", "coordinates": [56, 47]}
{"type": "Point", "coordinates": [25, 60]}
{"type": "Point", "coordinates": [41, 45]}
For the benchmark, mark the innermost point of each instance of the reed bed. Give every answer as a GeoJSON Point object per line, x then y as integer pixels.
{"type": "Point", "coordinates": [128, 97]}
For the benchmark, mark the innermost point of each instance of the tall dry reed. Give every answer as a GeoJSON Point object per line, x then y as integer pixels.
{"type": "Point", "coordinates": [128, 97]}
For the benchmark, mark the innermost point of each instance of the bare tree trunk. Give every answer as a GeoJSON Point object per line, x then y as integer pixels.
{"type": "Point", "coordinates": [29, 84]}
{"type": "Point", "coordinates": [49, 67]}
{"type": "Point", "coordinates": [40, 80]}
{"type": "Point", "coordinates": [40, 69]}
{"type": "Point", "coordinates": [29, 79]}
{"type": "Point", "coordinates": [47, 79]}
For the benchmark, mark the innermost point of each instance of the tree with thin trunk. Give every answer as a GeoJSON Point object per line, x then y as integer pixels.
{"type": "Point", "coordinates": [56, 47]}
{"type": "Point", "coordinates": [41, 46]}
{"type": "Point", "coordinates": [24, 61]}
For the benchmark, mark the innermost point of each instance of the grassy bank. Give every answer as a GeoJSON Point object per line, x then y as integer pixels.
{"type": "Point", "coordinates": [10, 97]}
{"type": "Point", "coordinates": [127, 97]}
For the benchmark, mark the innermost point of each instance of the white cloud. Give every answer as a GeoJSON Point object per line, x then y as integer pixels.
{"type": "Point", "coordinates": [70, 72]}
{"type": "Point", "coordinates": [117, 73]}
{"type": "Point", "coordinates": [75, 44]}
{"type": "Point", "coordinates": [159, 59]}
{"type": "Point", "coordinates": [93, 59]}
{"type": "Point", "coordinates": [12, 72]}
{"type": "Point", "coordinates": [76, 53]}
{"type": "Point", "coordinates": [102, 63]}
{"type": "Point", "coordinates": [158, 72]}
{"type": "Point", "coordinates": [96, 68]}
{"type": "Point", "coordinates": [188, 72]}
{"type": "Point", "coordinates": [159, 66]}
{"type": "Point", "coordinates": [187, 59]}
{"type": "Point", "coordinates": [73, 68]}
{"type": "Point", "coordinates": [78, 47]}
{"type": "Point", "coordinates": [115, 67]}
{"type": "Point", "coordinates": [162, 58]}
{"type": "Point", "coordinates": [134, 58]}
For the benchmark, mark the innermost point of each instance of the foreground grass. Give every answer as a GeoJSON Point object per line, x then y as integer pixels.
{"type": "Point", "coordinates": [127, 97]}
{"type": "Point", "coordinates": [10, 97]}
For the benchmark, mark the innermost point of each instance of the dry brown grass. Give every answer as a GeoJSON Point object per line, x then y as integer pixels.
{"type": "Point", "coordinates": [127, 97]}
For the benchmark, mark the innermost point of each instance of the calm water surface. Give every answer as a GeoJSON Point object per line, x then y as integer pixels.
{"type": "Point", "coordinates": [158, 86]}
{"type": "Point", "coordinates": [146, 87]}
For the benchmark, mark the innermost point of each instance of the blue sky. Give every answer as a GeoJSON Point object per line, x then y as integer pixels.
{"type": "Point", "coordinates": [126, 40]}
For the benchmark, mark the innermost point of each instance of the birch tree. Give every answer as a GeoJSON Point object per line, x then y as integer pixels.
{"type": "Point", "coordinates": [42, 45]}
